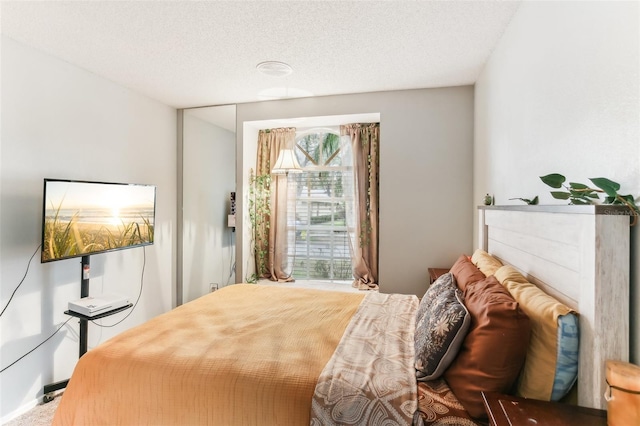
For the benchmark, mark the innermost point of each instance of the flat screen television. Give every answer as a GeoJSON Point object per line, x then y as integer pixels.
{"type": "Point", "coordinates": [81, 218]}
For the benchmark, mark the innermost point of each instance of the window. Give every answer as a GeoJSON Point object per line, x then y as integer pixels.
{"type": "Point", "coordinates": [324, 191]}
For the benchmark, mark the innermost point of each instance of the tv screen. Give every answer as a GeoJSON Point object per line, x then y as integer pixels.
{"type": "Point", "coordinates": [82, 218]}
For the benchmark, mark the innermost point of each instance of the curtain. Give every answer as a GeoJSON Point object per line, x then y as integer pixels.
{"type": "Point", "coordinates": [365, 146]}
{"type": "Point", "coordinates": [270, 233]}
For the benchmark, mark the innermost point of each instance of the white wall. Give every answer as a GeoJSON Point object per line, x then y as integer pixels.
{"type": "Point", "coordinates": [560, 93]}
{"type": "Point", "coordinates": [209, 176]}
{"type": "Point", "coordinates": [62, 122]}
{"type": "Point", "coordinates": [426, 148]}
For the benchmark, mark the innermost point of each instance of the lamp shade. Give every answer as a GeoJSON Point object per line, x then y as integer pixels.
{"type": "Point", "coordinates": [286, 163]}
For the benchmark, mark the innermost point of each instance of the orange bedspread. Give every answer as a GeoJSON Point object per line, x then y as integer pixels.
{"type": "Point", "coordinates": [246, 354]}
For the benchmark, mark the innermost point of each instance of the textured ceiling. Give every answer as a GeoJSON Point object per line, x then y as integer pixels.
{"type": "Point", "coordinates": [190, 53]}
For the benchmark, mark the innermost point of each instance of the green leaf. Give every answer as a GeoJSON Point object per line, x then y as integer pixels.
{"type": "Point", "coordinates": [609, 200]}
{"type": "Point", "coordinates": [593, 195]}
{"type": "Point", "coordinates": [580, 194]}
{"type": "Point", "coordinates": [534, 201]}
{"type": "Point", "coordinates": [526, 200]}
{"type": "Point", "coordinates": [554, 180]}
{"type": "Point", "coordinates": [629, 198]}
{"type": "Point", "coordinates": [581, 200]}
{"type": "Point", "coordinates": [608, 186]}
{"type": "Point", "coordinates": [575, 185]}
{"type": "Point", "coordinates": [559, 195]}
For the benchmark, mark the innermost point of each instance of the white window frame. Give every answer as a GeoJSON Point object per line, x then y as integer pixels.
{"type": "Point", "coordinates": [338, 251]}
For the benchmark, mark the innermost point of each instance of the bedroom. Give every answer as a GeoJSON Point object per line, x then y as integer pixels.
{"type": "Point", "coordinates": [562, 97]}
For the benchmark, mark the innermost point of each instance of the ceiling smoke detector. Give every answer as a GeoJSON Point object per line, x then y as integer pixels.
{"type": "Point", "coordinates": [274, 68]}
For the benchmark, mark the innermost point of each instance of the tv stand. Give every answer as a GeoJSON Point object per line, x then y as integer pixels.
{"type": "Point", "coordinates": [98, 316]}
{"type": "Point", "coordinates": [84, 327]}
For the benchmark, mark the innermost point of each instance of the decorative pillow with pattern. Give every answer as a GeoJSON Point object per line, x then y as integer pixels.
{"type": "Point", "coordinates": [443, 281]}
{"type": "Point", "coordinates": [441, 328]}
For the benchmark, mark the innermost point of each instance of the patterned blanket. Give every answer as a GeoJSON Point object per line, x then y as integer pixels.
{"type": "Point", "coordinates": [370, 379]}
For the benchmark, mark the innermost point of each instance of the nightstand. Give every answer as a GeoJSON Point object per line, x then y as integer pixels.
{"type": "Point", "coordinates": [506, 410]}
{"type": "Point", "coordinates": [434, 273]}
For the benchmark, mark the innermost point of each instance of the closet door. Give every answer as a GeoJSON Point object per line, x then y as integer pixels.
{"type": "Point", "coordinates": [206, 254]}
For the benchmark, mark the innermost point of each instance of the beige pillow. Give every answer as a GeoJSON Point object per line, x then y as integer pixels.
{"type": "Point", "coordinates": [539, 371]}
{"type": "Point", "coordinates": [487, 264]}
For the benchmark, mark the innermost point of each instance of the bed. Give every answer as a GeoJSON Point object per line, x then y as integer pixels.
{"type": "Point", "coordinates": [251, 354]}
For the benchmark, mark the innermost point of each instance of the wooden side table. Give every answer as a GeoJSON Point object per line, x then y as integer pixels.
{"type": "Point", "coordinates": [506, 410]}
{"type": "Point", "coordinates": [434, 273]}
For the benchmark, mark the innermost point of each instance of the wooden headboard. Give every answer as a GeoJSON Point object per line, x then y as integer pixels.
{"type": "Point", "coordinates": [580, 255]}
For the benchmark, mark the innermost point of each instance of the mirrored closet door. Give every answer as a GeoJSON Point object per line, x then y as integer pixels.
{"type": "Point", "coordinates": [206, 256]}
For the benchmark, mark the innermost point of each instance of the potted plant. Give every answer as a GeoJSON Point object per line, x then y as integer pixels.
{"type": "Point", "coordinates": [581, 194]}
{"type": "Point", "coordinates": [259, 211]}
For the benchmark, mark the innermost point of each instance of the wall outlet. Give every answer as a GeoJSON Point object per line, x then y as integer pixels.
{"type": "Point", "coordinates": [213, 287]}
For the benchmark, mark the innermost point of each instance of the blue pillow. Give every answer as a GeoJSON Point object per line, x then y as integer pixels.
{"type": "Point", "coordinates": [567, 357]}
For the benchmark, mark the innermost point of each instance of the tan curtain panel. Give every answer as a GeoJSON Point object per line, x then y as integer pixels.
{"type": "Point", "coordinates": [365, 145]}
{"type": "Point", "coordinates": [271, 239]}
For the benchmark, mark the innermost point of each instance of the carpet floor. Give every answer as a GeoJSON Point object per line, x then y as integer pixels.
{"type": "Point", "coordinates": [40, 415]}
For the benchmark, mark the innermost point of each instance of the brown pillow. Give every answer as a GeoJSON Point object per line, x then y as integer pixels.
{"type": "Point", "coordinates": [494, 350]}
{"type": "Point", "coordinates": [465, 272]}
